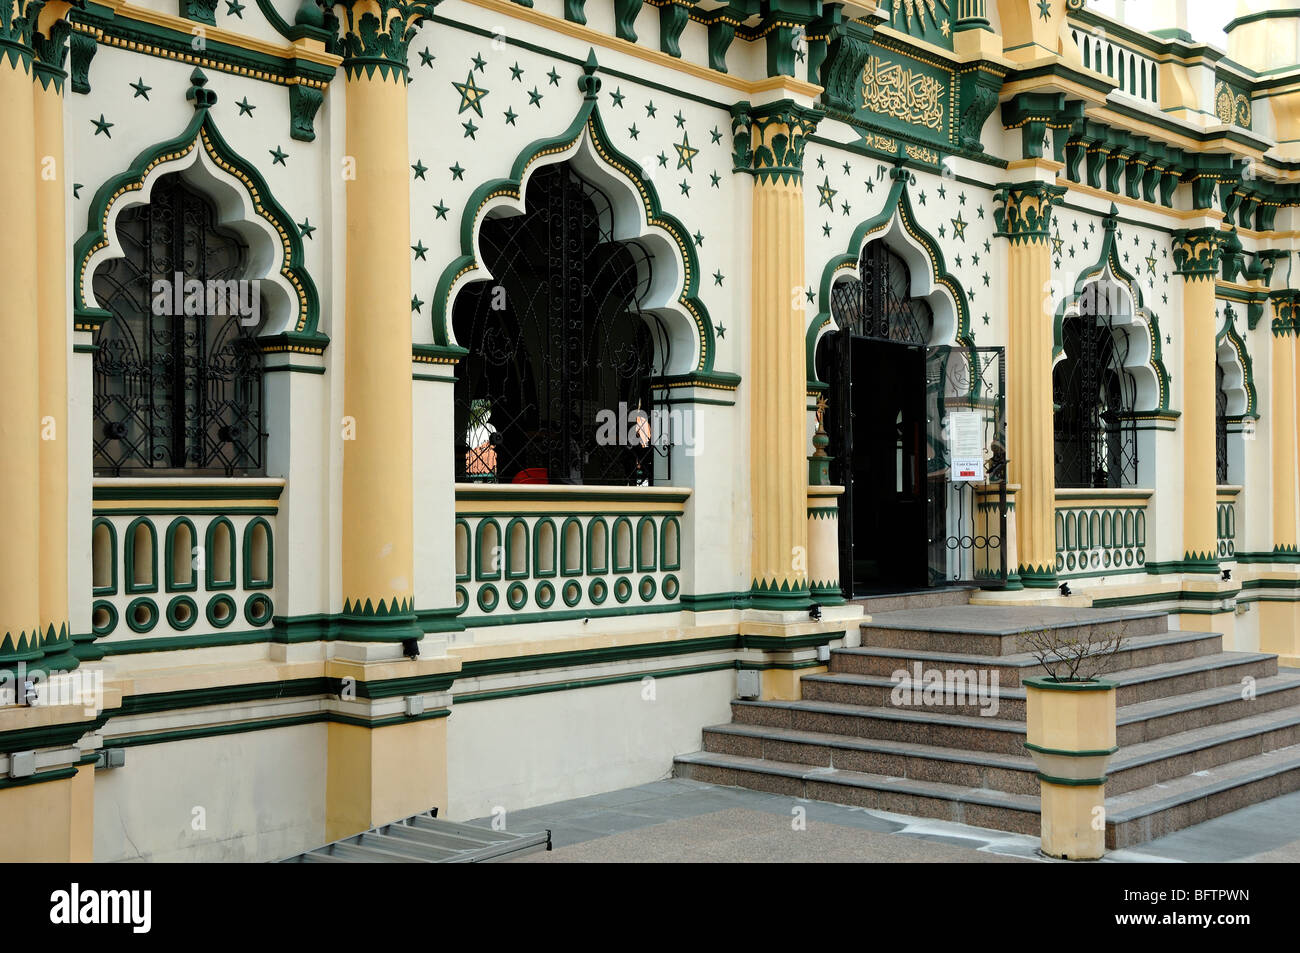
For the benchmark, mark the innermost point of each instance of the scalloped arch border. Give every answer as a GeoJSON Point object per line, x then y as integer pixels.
{"type": "Point", "coordinates": [587, 122]}
{"type": "Point", "coordinates": [1109, 257]}
{"type": "Point", "coordinates": [897, 203]}
{"type": "Point", "coordinates": [202, 129]}
{"type": "Point", "coordinates": [1238, 344]}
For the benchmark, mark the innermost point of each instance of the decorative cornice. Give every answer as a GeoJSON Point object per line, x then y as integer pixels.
{"type": "Point", "coordinates": [1197, 252]}
{"type": "Point", "coordinates": [768, 141]}
{"type": "Point", "coordinates": [1024, 212]}
{"type": "Point", "coordinates": [50, 41]}
{"type": "Point", "coordinates": [376, 35]}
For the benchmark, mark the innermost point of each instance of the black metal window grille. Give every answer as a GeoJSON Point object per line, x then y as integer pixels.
{"type": "Point", "coordinates": [1220, 426]}
{"type": "Point", "coordinates": [557, 386]}
{"type": "Point", "coordinates": [176, 393]}
{"type": "Point", "coordinates": [1095, 433]}
{"type": "Point", "coordinates": [878, 304]}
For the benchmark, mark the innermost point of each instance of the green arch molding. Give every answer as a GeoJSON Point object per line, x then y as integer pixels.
{"type": "Point", "coordinates": [305, 336]}
{"type": "Point", "coordinates": [1110, 258]}
{"type": "Point", "coordinates": [587, 123]}
{"type": "Point", "coordinates": [1238, 344]}
{"type": "Point", "coordinates": [897, 202]}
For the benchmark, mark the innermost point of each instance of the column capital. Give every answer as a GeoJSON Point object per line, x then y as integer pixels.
{"type": "Point", "coordinates": [1286, 304]}
{"type": "Point", "coordinates": [1024, 210]}
{"type": "Point", "coordinates": [375, 35]}
{"type": "Point", "coordinates": [768, 140]}
{"type": "Point", "coordinates": [1197, 252]}
{"type": "Point", "coordinates": [17, 26]}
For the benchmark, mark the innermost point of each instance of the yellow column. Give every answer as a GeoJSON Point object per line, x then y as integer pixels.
{"type": "Point", "coordinates": [378, 554]}
{"type": "Point", "coordinates": [52, 318]}
{"type": "Point", "coordinates": [20, 422]}
{"type": "Point", "coordinates": [1024, 219]}
{"type": "Point", "coordinates": [778, 428]}
{"type": "Point", "coordinates": [1279, 622]}
{"type": "Point", "coordinates": [1196, 258]}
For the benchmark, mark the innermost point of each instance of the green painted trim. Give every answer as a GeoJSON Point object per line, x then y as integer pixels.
{"type": "Point", "coordinates": [167, 490]}
{"type": "Point", "coordinates": [480, 574]}
{"type": "Point", "coordinates": [587, 123]}
{"type": "Point", "coordinates": [249, 581]}
{"type": "Point", "coordinates": [538, 572]}
{"type": "Point", "coordinates": [1072, 782]}
{"type": "Point", "coordinates": [620, 566]}
{"type": "Point", "coordinates": [231, 611]}
{"type": "Point", "coordinates": [600, 566]}
{"type": "Point", "coordinates": [169, 564]}
{"type": "Point", "coordinates": [209, 564]}
{"type": "Point", "coordinates": [40, 777]}
{"type": "Point", "coordinates": [566, 548]}
{"type": "Point", "coordinates": [173, 610]}
{"type": "Point", "coordinates": [110, 589]}
{"type": "Point", "coordinates": [201, 129]}
{"type": "Point", "coordinates": [128, 556]}
{"type": "Point", "coordinates": [251, 606]}
{"type": "Point", "coordinates": [463, 526]}
{"type": "Point", "coordinates": [508, 547]}
{"type": "Point", "coordinates": [641, 564]}
{"type": "Point", "coordinates": [1048, 684]}
{"type": "Point", "coordinates": [266, 724]}
{"type": "Point", "coordinates": [576, 684]}
{"type": "Point", "coordinates": [1100, 753]}
{"type": "Point", "coordinates": [675, 563]}
{"type": "Point", "coordinates": [110, 625]}
{"type": "Point", "coordinates": [564, 615]}
{"type": "Point", "coordinates": [572, 494]}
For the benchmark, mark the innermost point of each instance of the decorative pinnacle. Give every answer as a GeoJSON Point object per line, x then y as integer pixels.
{"type": "Point", "coordinates": [200, 97]}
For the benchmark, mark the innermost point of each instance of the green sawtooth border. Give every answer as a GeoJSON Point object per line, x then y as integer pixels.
{"type": "Point", "coordinates": [898, 200]}
{"type": "Point", "coordinates": [1229, 333]}
{"type": "Point", "coordinates": [1110, 256]}
{"type": "Point", "coordinates": [588, 120]}
{"type": "Point", "coordinates": [306, 334]}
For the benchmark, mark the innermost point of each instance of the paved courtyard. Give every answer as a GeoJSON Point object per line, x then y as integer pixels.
{"type": "Point", "coordinates": [681, 820]}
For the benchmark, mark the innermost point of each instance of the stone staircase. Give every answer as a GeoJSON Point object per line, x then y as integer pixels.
{"type": "Point", "coordinates": [1201, 731]}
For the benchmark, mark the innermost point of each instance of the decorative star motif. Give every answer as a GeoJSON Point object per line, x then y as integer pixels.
{"type": "Point", "coordinates": [680, 120]}
{"type": "Point", "coordinates": [943, 192]}
{"type": "Point", "coordinates": [959, 227]}
{"type": "Point", "coordinates": [686, 188]}
{"type": "Point", "coordinates": [419, 169]}
{"type": "Point", "coordinates": [699, 239]}
{"type": "Point", "coordinates": [961, 199]}
{"type": "Point", "coordinates": [720, 331]}
{"type": "Point", "coordinates": [715, 180]}
{"type": "Point", "coordinates": [1057, 244]}
{"type": "Point", "coordinates": [419, 250]}
{"type": "Point", "coordinates": [808, 293]}
{"type": "Point", "coordinates": [441, 209]}
{"type": "Point", "coordinates": [617, 97]}
{"type": "Point", "coordinates": [826, 229]}
{"type": "Point", "coordinates": [633, 131]}
{"type": "Point", "coordinates": [535, 98]}
{"type": "Point", "coordinates": [921, 198]}
{"type": "Point", "coordinates": [685, 154]}
{"type": "Point", "coordinates": [663, 160]}
{"type": "Point", "coordinates": [1044, 10]}
{"type": "Point", "coordinates": [986, 278]}
{"type": "Point", "coordinates": [457, 173]}
{"type": "Point", "coordinates": [554, 77]}
{"type": "Point", "coordinates": [827, 194]}
{"type": "Point", "coordinates": [470, 129]}
{"type": "Point", "coordinates": [479, 63]}
{"type": "Point", "coordinates": [278, 156]}
{"type": "Point", "coordinates": [245, 107]}
{"type": "Point", "coordinates": [103, 125]}
{"type": "Point", "coordinates": [516, 72]}
{"type": "Point", "coordinates": [76, 190]}
{"type": "Point", "coordinates": [871, 186]}
{"type": "Point", "coordinates": [140, 89]}
{"type": "Point", "coordinates": [718, 277]}
{"type": "Point", "coordinates": [511, 116]}
{"type": "Point", "coordinates": [306, 227]}
{"type": "Point", "coordinates": [650, 109]}
{"type": "Point", "coordinates": [821, 163]}
{"type": "Point", "coordinates": [426, 58]}
{"type": "Point", "coordinates": [986, 317]}
{"type": "Point", "coordinates": [416, 303]}
{"type": "Point", "coordinates": [715, 135]}
{"type": "Point", "coordinates": [471, 95]}
{"type": "Point", "coordinates": [235, 9]}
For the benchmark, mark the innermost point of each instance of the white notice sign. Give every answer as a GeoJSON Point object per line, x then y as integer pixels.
{"type": "Point", "coordinates": [966, 442]}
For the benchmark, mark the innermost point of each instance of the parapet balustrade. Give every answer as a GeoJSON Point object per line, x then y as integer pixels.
{"type": "Point", "coordinates": [534, 552]}
{"type": "Point", "coordinates": [182, 558]}
{"type": "Point", "coordinates": [1101, 532]}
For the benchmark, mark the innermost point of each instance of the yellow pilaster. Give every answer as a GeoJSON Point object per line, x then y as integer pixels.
{"type": "Point", "coordinates": [1282, 406]}
{"type": "Point", "coordinates": [778, 428]}
{"type": "Point", "coordinates": [52, 318]}
{"type": "Point", "coordinates": [1196, 258]}
{"type": "Point", "coordinates": [20, 422]}
{"type": "Point", "coordinates": [1024, 219]}
{"type": "Point", "coordinates": [378, 552]}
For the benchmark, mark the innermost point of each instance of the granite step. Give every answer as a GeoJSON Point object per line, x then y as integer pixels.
{"type": "Point", "coordinates": [1137, 766]}
{"type": "Point", "coordinates": [999, 630]}
{"type": "Point", "coordinates": [1161, 717]}
{"type": "Point", "coordinates": [1138, 651]}
{"type": "Point", "coordinates": [920, 599]}
{"type": "Point", "coordinates": [1160, 809]}
{"type": "Point", "coordinates": [981, 695]}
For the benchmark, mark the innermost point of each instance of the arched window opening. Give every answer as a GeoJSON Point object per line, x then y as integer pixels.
{"type": "Point", "coordinates": [178, 372]}
{"type": "Point", "coordinates": [1093, 393]}
{"type": "Point", "coordinates": [1220, 427]}
{"type": "Point", "coordinates": [180, 555]}
{"type": "Point", "coordinates": [879, 304]}
{"type": "Point", "coordinates": [103, 545]}
{"type": "Point", "coordinates": [557, 385]}
{"type": "Point", "coordinates": [221, 555]}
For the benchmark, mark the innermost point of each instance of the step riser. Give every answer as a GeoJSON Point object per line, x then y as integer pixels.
{"type": "Point", "coordinates": [996, 645]}
{"type": "Point", "coordinates": [851, 663]}
{"type": "Point", "coordinates": [887, 764]}
{"type": "Point", "coordinates": [1152, 728]}
{"type": "Point", "coordinates": [929, 600]}
{"type": "Point", "coordinates": [1143, 829]}
{"type": "Point", "coordinates": [869, 726]}
{"type": "Point", "coordinates": [1193, 682]}
{"type": "Point", "coordinates": [1180, 765]}
{"type": "Point", "coordinates": [976, 815]}
{"type": "Point", "coordinates": [881, 696]}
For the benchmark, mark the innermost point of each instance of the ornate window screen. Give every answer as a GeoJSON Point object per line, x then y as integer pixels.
{"type": "Point", "coordinates": [1095, 434]}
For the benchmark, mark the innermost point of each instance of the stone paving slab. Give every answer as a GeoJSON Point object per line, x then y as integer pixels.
{"type": "Point", "coordinates": [999, 620]}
